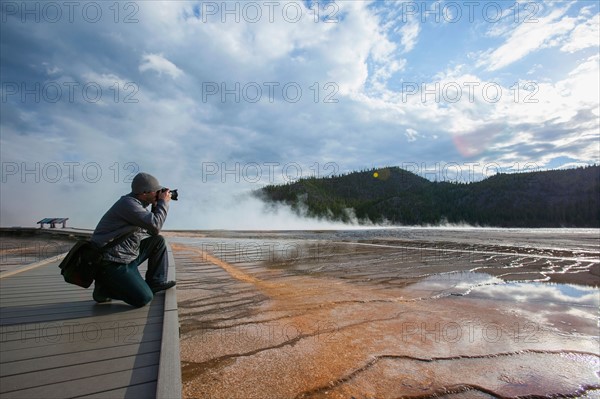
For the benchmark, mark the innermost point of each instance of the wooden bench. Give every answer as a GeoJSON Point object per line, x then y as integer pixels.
{"type": "Point", "coordinates": [53, 222]}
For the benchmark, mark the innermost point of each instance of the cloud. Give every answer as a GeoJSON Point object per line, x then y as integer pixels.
{"type": "Point", "coordinates": [585, 35]}
{"type": "Point", "coordinates": [539, 33]}
{"type": "Point", "coordinates": [410, 33]}
{"type": "Point", "coordinates": [542, 292]}
{"type": "Point", "coordinates": [411, 134]}
{"type": "Point", "coordinates": [158, 63]}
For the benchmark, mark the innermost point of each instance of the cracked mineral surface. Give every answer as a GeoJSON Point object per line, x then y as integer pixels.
{"type": "Point", "coordinates": [389, 313]}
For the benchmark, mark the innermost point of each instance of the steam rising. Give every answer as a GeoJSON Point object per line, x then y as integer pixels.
{"type": "Point", "coordinates": [245, 211]}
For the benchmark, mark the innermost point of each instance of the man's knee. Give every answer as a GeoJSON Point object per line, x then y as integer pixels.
{"type": "Point", "coordinates": [161, 242]}
{"type": "Point", "coordinates": [157, 243]}
{"type": "Point", "coordinates": [142, 299]}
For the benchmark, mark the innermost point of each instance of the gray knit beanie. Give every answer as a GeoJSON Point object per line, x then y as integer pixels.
{"type": "Point", "coordinates": [144, 183]}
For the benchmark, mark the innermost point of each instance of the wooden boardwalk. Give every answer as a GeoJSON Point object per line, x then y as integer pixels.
{"type": "Point", "coordinates": [56, 342]}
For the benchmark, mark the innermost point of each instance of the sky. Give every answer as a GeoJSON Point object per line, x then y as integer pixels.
{"type": "Point", "coordinates": [218, 99]}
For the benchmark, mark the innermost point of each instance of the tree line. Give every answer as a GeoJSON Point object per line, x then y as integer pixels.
{"type": "Point", "coordinates": [553, 198]}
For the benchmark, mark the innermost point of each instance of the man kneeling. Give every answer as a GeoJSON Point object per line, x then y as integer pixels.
{"type": "Point", "coordinates": [138, 228]}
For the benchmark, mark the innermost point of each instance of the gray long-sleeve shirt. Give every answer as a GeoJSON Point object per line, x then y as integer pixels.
{"type": "Point", "coordinates": [127, 215]}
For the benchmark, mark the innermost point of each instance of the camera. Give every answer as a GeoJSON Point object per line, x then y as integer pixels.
{"type": "Point", "coordinates": [174, 193]}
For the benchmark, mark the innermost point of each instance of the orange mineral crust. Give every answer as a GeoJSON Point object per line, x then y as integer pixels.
{"type": "Point", "coordinates": [307, 315]}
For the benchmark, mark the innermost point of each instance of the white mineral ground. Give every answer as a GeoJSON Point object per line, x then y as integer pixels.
{"type": "Point", "coordinates": [388, 313]}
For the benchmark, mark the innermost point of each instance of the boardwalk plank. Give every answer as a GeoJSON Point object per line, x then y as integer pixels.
{"type": "Point", "coordinates": [64, 359]}
{"type": "Point", "coordinates": [131, 392]}
{"type": "Point", "coordinates": [90, 385]}
{"type": "Point", "coordinates": [106, 312]}
{"type": "Point", "coordinates": [74, 372]}
{"type": "Point", "coordinates": [113, 311]}
{"type": "Point", "coordinates": [41, 352]}
{"type": "Point", "coordinates": [71, 339]}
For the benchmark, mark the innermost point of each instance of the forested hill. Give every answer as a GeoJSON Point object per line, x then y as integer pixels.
{"type": "Point", "coordinates": [555, 198]}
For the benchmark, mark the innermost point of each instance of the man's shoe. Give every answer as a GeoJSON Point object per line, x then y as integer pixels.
{"type": "Point", "coordinates": [97, 295]}
{"type": "Point", "coordinates": [162, 286]}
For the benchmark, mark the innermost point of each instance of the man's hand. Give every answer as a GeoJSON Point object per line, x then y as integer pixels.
{"type": "Point", "coordinates": [164, 195]}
